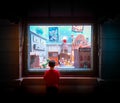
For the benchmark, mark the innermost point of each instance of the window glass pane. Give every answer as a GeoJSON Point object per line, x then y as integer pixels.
{"type": "Point", "coordinates": [69, 45]}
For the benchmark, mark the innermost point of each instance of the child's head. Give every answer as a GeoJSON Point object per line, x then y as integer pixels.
{"type": "Point", "coordinates": [51, 63]}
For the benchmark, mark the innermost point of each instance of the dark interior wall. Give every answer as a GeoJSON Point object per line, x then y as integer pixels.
{"type": "Point", "coordinates": [60, 9]}
{"type": "Point", "coordinates": [9, 51]}
{"type": "Point", "coordinates": [110, 35]}
{"type": "Point", "coordinates": [9, 30]}
{"type": "Point", "coordinates": [9, 34]}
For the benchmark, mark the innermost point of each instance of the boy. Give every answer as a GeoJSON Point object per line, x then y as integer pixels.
{"type": "Point", "coordinates": [51, 78]}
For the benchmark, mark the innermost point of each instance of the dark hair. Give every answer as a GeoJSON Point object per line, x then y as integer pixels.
{"type": "Point", "coordinates": [51, 63]}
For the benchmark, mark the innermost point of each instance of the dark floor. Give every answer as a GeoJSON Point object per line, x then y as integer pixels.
{"type": "Point", "coordinates": [102, 91]}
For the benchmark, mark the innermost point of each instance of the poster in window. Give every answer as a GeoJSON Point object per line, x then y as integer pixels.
{"type": "Point", "coordinates": [53, 34]}
{"type": "Point", "coordinates": [77, 28]}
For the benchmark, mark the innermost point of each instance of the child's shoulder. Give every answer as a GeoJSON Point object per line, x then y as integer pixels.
{"type": "Point", "coordinates": [56, 70]}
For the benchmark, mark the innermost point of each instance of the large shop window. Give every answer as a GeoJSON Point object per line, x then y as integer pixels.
{"type": "Point", "coordinates": [70, 45]}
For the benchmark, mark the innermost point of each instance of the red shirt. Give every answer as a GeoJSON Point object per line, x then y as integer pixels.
{"type": "Point", "coordinates": [51, 77]}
